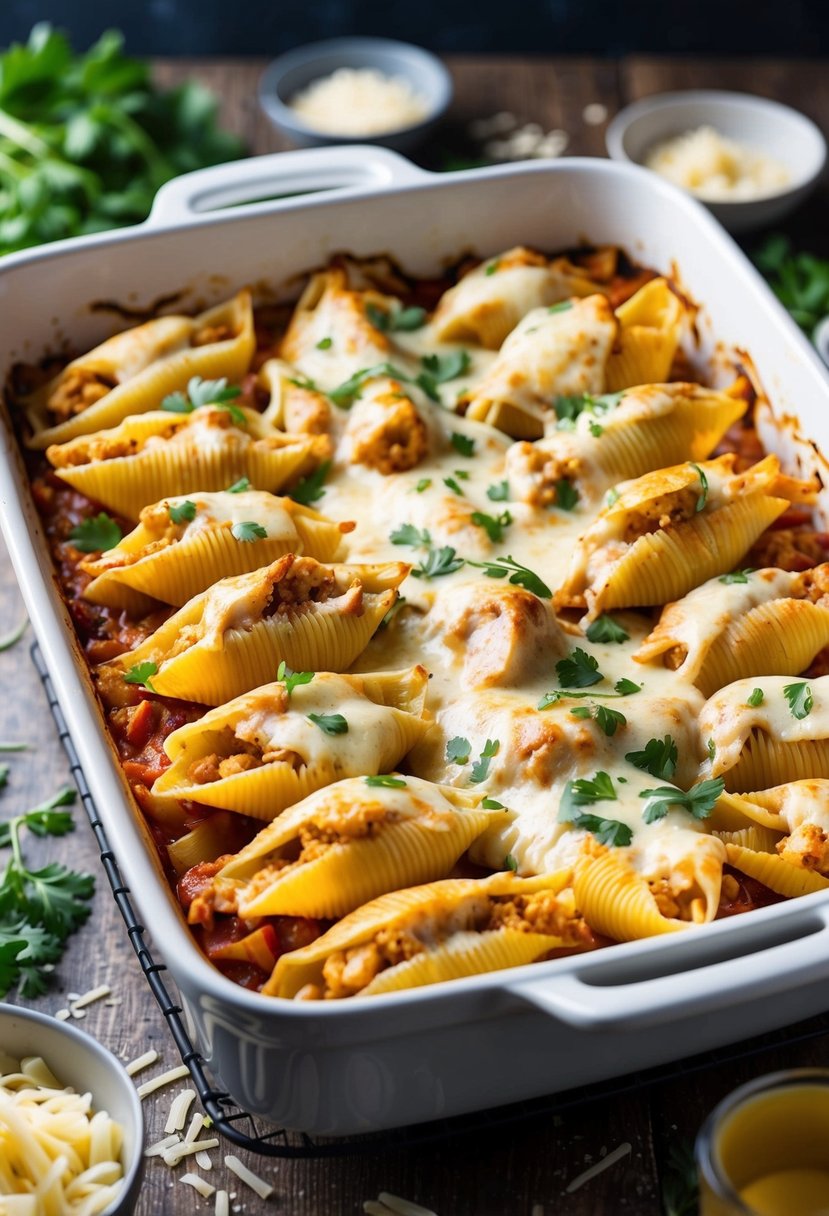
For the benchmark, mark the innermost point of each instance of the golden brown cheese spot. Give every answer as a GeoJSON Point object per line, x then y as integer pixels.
{"type": "Point", "coordinates": [209, 334]}
{"type": "Point", "coordinates": [535, 473]}
{"type": "Point", "coordinates": [100, 447]}
{"type": "Point", "coordinates": [305, 412]}
{"type": "Point", "coordinates": [77, 390]}
{"type": "Point", "coordinates": [504, 636]}
{"type": "Point", "coordinates": [807, 847]}
{"type": "Point", "coordinates": [387, 433]}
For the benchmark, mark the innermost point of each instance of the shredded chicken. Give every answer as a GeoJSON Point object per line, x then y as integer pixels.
{"type": "Point", "coordinates": [78, 389]}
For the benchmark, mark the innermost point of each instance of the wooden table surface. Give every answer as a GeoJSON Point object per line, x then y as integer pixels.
{"type": "Point", "coordinates": [521, 1170]}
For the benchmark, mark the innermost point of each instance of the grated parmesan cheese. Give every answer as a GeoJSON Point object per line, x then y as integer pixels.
{"type": "Point", "coordinates": [715, 168]}
{"type": "Point", "coordinates": [359, 101]}
{"type": "Point", "coordinates": [262, 1188]}
{"type": "Point", "coordinates": [88, 998]}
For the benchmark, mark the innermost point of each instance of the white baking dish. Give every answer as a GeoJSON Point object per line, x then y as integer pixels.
{"type": "Point", "coordinates": [381, 1061]}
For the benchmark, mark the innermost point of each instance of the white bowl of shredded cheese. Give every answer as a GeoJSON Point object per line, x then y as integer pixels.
{"type": "Point", "coordinates": [748, 159]}
{"type": "Point", "coordinates": [356, 90]}
{"type": "Point", "coordinates": [71, 1127]}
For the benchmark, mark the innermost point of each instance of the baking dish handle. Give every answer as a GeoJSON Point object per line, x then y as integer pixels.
{"type": "Point", "coordinates": [570, 997]}
{"type": "Point", "coordinates": [278, 178]}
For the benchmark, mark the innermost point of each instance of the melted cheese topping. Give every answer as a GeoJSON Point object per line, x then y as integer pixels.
{"type": "Point", "coordinates": [728, 718]}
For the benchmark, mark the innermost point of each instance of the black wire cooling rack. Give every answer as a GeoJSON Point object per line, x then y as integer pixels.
{"type": "Point", "coordinates": [257, 1136]}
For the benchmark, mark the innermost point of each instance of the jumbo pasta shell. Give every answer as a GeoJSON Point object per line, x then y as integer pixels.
{"type": "Point", "coordinates": [755, 839]}
{"type": "Point", "coordinates": [765, 761]}
{"type": "Point", "coordinates": [616, 901]}
{"type": "Point", "coordinates": [175, 363]}
{"type": "Point", "coordinates": [775, 873]}
{"type": "Point", "coordinates": [734, 813]}
{"type": "Point", "coordinates": [650, 329]}
{"type": "Point", "coordinates": [665, 565]}
{"type": "Point", "coordinates": [778, 638]}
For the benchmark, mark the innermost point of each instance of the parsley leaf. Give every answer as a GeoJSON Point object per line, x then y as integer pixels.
{"type": "Point", "coordinates": [205, 392]}
{"type": "Point", "coordinates": [462, 443]}
{"type": "Point", "coordinates": [457, 750]}
{"type": "Point", "coordinates": [489, 804]}
{"type": "Point", "coordinates": [659, 758]}
{"type": "Point", "coordinates": [330, 724]}
{"type": "Point", "coordinates": [607, 719]}
{"type": "Point", "coordinates": [386, 780]}
{"type": "Point", "coordinates": [96, 534]}
{"type": "Point", "coordinates": [141, 673]}
{"type": "Point", "coordinates": [403, 320]}
{"type": "Point", "coordinates": [292, 679]}
{"type": "Point", "coordinates": [711, 748]}
{"type": "Point", "coordinates": [584, 792]}
{"type": "Point", "coordinates": [626, 688]}
{"type": "Point", "coordinates": [447, 367]}
{"type": "Point", "coordinates": [703, 481]}
{"type": "Point", "coordinates": [562, 306]}
{"type": "Point", "coordinates": [325, 343]}
{"type": "Point", "coordinates": [799, 280]}
{"type": "Point", "coordinates": [799, 697]}
{"type": "Point", "coordinates": [184, 513]}
{"type": "Point", "coordinates": [568, 409]}
{"type": "Point", "coordinates": [248, 530]}
{"type": "Point", "coordinates": [519, 575]}
{"type": "Point", "coordinates": [408, 534]}
{"type": "Point", "coordinates": [491, 267]}
{"type": "Point", "coordinates": [755, 697]}
{"type": "Point", "coordinates": [451, 484]}
{"type": "Point", "coordinates": [347, 393]}
{"type": "Point", "coordinates": [423, 484]}
{"type": "Point", "coordinates": [699, 801]}
{"type": "Point", "coordinates": [611, 497]}
{"type": "Point", "coordinates": [736, 576]}
{"type": "Point", "coordinates": [493, 527]}
{"type": "Point", "coordinates": [510, 863]}
{"type": "Point", "coordinates": [480, 769]}
{"type": "Point", "coordinates": [605, 629]}
{"type": "Point", "coordinates": [240, 486]}
{"type": "Point", "coordinates": [311, 488]}
{"type": "Point", "coordinates": [499, 492]}
{"type": "Point", "coordinates": [438, 562]}
{"type": "Point", "coordinates": [579, 670]}
{"type": "Point", "coordinates": [7, 640]}
{"type": "Point", "coordinates": [567, 496]}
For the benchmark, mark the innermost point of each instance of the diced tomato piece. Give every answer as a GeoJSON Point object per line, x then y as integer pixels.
{"type": "Point", "coordinates": [141, 724]}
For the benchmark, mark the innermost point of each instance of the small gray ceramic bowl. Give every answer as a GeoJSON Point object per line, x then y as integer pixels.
{"type": "Point", "coordinates": [783, 133]}
{"type": "Point", "coordinates": [294, 71]}
{"type": "Point", "coordinates": [86, 1066]}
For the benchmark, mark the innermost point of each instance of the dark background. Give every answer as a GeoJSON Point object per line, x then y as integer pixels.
{"type": "Point", "coordinates": [603, 27]}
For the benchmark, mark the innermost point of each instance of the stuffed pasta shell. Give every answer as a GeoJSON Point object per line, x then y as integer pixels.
{"type": "Point", "coordinates": [426, 934]}
{"type": "Point", "coordinates": [294, 404]}
{"type": "Point", "coordinates": [344, 845]}
{"type": "Point", "coordinates": [490, 300]}
{"type": "Point", "coordinates": [557, 351]}
{"type": "Point", "coordinates": [650, 327]}
{"type": "Point", "coordinates": [133, 371]}
{"type": "Point", "coordinates": [233, 636]}
{"type": "Point", "coordinates": [750, 625]}
{"type": "Point", "coordinates": [268, 749]}
{"type": "Point", "coordinates": [152, 456]}
{"type": "Point", "coordinates": [668, 531]}
{"type": "Point", "coordinates": [183, 545]}
{"type": "Point", "coordinates": [767, 730]}
{"type": "Point", "coordinates": [599, 441]}
{"type": "Point", "coordinates": [801, 809]}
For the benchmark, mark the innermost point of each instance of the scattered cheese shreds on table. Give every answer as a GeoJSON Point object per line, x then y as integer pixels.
{"type": "Point", "coordinates": [179, 1110]}
{"type": "Point", "coordinates": [263, 1189]}
{"type": "Point", "coordinates": [163, 1079]}
{"type": "Point", "coordinates": [201, 1185]}
{"type": "Point", "coordinates": [141, 1062]}
{"type": "Point", "coordinates": [599, 1167]}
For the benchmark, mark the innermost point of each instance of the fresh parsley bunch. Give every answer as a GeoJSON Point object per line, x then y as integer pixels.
{"type": "Point", "coordinates": [86, 140]}
{"type": "Point", "coordinates": [799, 280]}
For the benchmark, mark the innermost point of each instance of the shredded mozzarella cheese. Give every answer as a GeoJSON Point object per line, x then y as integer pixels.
{"type": "Point", "coordinates": [359, 101]}
{"type": "Point", "coordinates": [262, 1188]}
{"type": "Point", "coordinates": [716, 168]}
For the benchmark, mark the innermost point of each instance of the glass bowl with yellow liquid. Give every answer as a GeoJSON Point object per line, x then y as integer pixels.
{"type": "Point", "coordinates": [764, 1151]}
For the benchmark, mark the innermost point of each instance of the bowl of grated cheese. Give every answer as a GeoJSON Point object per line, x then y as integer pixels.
{"type": "Point", "coordinates": [750, 160]}
{"type": "Point", "coordinates": [356, 90]}
{"type": "Point", "coordinates": [71, 1126]}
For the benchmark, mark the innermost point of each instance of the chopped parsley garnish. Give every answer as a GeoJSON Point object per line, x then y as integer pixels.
{"type": "Point", "coordinates": [387, 781]}
{"type": "Point", "coordinates": [311, 488]}
{"type": "Point", "coordinates": [248, 530]}
{"type": "Point", "coordinates": [325, 343]}
{"type": "Point", "coordinates": [605, 629]}
{"type": "Point", "coordinates": [490, 804]}
{"type": "Point", "coordinates": [755, 697]}
{"type": "Point", "coordinates": [142, 673]}
{"type": "Point", "coordinates": [38, 908]}
{"type": "Point", "coordinates": [491, 267]}
{"type": "Point", "coordinates": [607, 719]}
{"type": "Point", "coordinates": [7, 640]}
{"type": "Point", "coordinates": [699, 801]}
{"type": "Point", "coordinates": [480, 769]}
{"type": "Point", "coordinates": [240, 486]}
{"type": "Point", "coordinates": [510, 863]}
{"type": "Point", "coordinates": [659, 758]}
{"type": "Point", "coordinates": [568, 409]}
{"type": "Point", "coordinates": [300, 381]}
{"type": "Point", "coordinates": [595, 429]}
{"type": "Point", "coordinates": [402, 320]}
{"type": "Point", "coordinates": [184, 513]}
{"type": "Point", "coordinates": [437, 369]}
{"type": "Point", "coordinates": [494, 527]}
{"type": "Point", "coordinates": [560, 694]}
{"type": "Point", "coordinates": [800, 699]}
{"type": "Point", "coordinates": [330, 724]}
{"type": "Point", "coordinates": [423, 484]}
{"type": "Point", "coordinates": [578, 670]}
{"type": "Point", "coordinates": [507, 567]}
{"type": "Point", "coordinates": [626, 688]}
{"type": "Point", "coordinates": [462, 443]}
{"type": "Point", "coordinates": [499, 492]}
{"type": "Point", "coordinates": [205, 392]}
{"type": "Point", "coordinates": [736, 576]}
{"type": "Point", "coordinates": [345, 394]}
{"type": "Point", "coordinates": [567, 496]}
{"type": "Point", "coordinates": [586, 792]}
{"type": "Point", "coordinates": [711, 748]}
{"type": "Point", "coordinates": [393, 611]}
{"type": "Point", "coordinates": [451, 484]}
{"type": "Point", "coordinates": [438, 562]}
{"type": "Point", "coordinates": [611, 497]}
{"type": "Point", "coordinates": [703, 481]}
{"type": "Point", "coordinates": [562, 306]}
{"type": "Point", "coordinates": [292, 679]}
{"type": "Point", "coordinates": [97, 534]}
{"type": "Point", "coordinates": [408, 534]}
{"type": "Point", "coordinates": [458, 750]}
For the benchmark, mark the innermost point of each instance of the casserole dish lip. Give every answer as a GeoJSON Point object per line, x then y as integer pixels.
{"type": "Point", "coordinates": [187, 965]}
